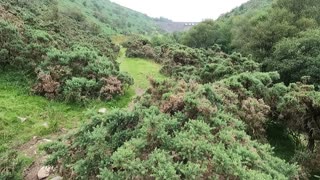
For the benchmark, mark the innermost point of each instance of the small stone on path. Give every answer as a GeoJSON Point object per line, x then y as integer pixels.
{"type": "Point", "coordinates": [22, 119]}
{"type": "Point", "coordinates": [102, 110]}
{"type": "Point", "coordinates": [57, 178]}
{"type": "Point", "coordinates": [46, 125]}
{"type": "Point", "coordinates": [44, 172]}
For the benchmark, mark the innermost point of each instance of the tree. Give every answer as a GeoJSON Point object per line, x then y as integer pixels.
{"type": "Point", "coordinates": [205, 34]}
{"type": "Point", "coordinates": [257, 33]}
{"type": "Point", "coordinates": [296, 57]}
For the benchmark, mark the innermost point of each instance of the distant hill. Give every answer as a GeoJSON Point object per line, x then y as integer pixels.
{"type": "Point", "coordinates": [250, 6]}
{"type": "Point", "coordinates": [105, 15]}
{"type": "Point", "coordinates": [111, 16]}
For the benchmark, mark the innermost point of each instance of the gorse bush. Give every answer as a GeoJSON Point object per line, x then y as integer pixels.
{"type": "Point", "coordinates": [11, 43]}
{"type": "Point", "coordinates": [79, 75]}
{"type": "Point", "coordinates": [243, 91]}
{"type": "Point", "coordinates": [139, 47]}
{"type": "Point", "coordinates": [203, 65]}
{"type": "Point", "coordinates": [10, 164]}
{"type": "Point", "coordinates": [176, 131]}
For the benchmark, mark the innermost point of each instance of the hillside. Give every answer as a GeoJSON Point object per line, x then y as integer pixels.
{"type": "Point", "coordinates": [99, 15]}
{"type": "Point", "coordinates": [248, 7]}
{"type": "Point", "coordinates": [62, 51]}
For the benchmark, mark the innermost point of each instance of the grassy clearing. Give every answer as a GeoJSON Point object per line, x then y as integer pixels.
{"type": "Point", "coordinates": [41, 117]}
{"type": "Point", "coordinates": [23, 115]}
{"type": "Point", "coordinates": [141, 70]}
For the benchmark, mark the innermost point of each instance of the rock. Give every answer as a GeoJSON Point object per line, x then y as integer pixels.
{"type": "Point", "coordinates": [46, 125]}
{"type": "Point", "coordinates": [57, 178]}
{"type": "Point", "coordinates": [44, 172]}
{"type": "Point", "coordinates": [102, 110]}
{"type": "Point", "coordinates": [47, 140]}
{"type": "Point", "coordinates": [22, 119]}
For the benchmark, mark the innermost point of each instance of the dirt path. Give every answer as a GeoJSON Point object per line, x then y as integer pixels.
{"type": "Point", "coordinates": [31, 150]}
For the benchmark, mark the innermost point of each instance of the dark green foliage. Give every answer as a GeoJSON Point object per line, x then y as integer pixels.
{"type": "Point", "coordinates": [283, 141]}
{"type": "Point", "coordinates": [206, 34]}
{"type": "Point", "coordinates": [297, 57]}
{"type": "Point", "coordinates": [278, 33]}
{"type": "Point", "coordinates": [299, 110]}
{"type": "Point", "coordinates": [256, 32]}
{"type": "Point", "coordinates": [280, 37]}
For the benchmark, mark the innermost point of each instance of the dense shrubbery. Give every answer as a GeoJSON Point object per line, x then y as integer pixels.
{"type": "Point", "coordinates": [179, 131]}
{"type": "Point", "coordinates": [296, 57]}
{"type": "Point", "coordinates": [201, 65]}
{"type": "Point", "coordinates": [208, 122]}
{"type": "Point", "coordinates": [10, 44]}
{"type": "Point", "coordinates": [188, 130]}
{"type": "Point", "coordinates": [78, 75]}
{"type": "Point", "coordinates": [139, 47]}
{"type": "Point", "coordinates": [242, 91]}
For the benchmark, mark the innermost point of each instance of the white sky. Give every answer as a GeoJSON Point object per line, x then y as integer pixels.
{"type": "Point", "coordinates": [182, 10]}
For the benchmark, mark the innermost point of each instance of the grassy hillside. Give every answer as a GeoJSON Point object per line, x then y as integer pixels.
{"type": "Point", "coordinates": [111, 17]}
{"type": "Point", "coordinates": [94, 15]}
{"type": "Point", "coordinates": [248, 7]}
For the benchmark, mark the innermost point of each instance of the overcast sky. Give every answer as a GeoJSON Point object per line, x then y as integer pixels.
{"type": "Point", "coordinates": [182, 10]}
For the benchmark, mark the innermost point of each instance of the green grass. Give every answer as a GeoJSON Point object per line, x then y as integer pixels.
{"type": "Point", "coordinates": [141, 70]}
{"type": "Point", "coordinates": [44, 117]}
